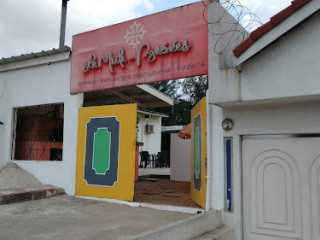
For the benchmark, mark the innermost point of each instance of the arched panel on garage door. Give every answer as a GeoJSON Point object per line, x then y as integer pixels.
{"type": "Point", "coordinates": [315, 197]}
{"type": "Point", "coordinates": [281, 187]}
{"type": "Point", "coordinates": [275, 202]}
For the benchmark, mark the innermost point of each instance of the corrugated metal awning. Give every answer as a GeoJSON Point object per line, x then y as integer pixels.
{"type": "Point", "coordinates": [29, 56]}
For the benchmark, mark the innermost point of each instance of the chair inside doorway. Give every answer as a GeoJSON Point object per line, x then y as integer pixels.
{"type": "Point", "coordinates": [160, 160]}
{"type": "Point", "coordinates": [154, 185]}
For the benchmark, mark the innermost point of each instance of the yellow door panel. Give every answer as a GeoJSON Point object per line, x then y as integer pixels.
{"type": "Point", "coordinates": [106, 151]}
{"type": "Point", "coordinates": [199, 153]}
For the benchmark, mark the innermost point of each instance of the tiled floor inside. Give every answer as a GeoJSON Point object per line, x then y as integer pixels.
{"type": "Point", "coordinates": [158, 189]}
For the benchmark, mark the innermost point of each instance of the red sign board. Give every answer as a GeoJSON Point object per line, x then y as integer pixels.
{"type": "Point", "coordinates": [168, 45]}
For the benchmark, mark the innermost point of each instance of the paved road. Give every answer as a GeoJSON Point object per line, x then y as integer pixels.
{"type": "Point", "coordinates": [65, 218]}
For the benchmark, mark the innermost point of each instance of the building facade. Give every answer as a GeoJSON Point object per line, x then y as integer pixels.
{"type": "Point", "coordinates": [40, 81]}
{"type": "Point", "coordinates": [262, 133]}
{"type": "Point", "coordinates": [271, 99]}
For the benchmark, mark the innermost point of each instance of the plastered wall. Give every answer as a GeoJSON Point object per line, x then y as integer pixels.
{"type": "Point", "coordinates": [180, 158]}
{"type": "Point", "coordinates": [42, 83]}
{"type": "Point", "coordinates": [151, 141]}
{"type": "Point", "coordinates": [274, 92]}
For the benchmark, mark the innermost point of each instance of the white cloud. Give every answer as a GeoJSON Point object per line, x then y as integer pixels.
{"type": "Point", "coordinates": [27, 23]}
{"type": "Point", "coordinates": [148, 5]}
{"type": "Point", "coordinates": [33, 25]}
{"type": "Point", "coordinates": [265, 9]}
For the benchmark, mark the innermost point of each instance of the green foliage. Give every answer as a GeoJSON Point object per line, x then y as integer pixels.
{"type": "Point", "coordinates": [167, 87]}
{"type": "Point", "coordinates": [187, 93]}
{"type": "Point", "coordinates": [195, 88]}
{"type": "Point", "coordinates": [138, 119]}
{"type": "Point", "coordinates": [137, 125]}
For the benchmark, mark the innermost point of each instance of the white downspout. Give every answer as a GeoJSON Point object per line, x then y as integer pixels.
{"type": "Point", "coordinates": [217, 161]}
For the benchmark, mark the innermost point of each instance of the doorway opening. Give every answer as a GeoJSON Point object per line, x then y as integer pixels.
{"type": "Point", "coordinates": [165, 176]}
{"type": "Point", "coordinates": [163, 160]}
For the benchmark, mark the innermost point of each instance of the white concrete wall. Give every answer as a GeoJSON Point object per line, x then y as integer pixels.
{"type": "Point", "coordinates": [151, 141]}
{"type": "Point", "coordinates": [3, 102]}
{"type": "Point", "coordinates": [277, 118]}
{"type": "Point", "coordinates": [222, 84]}
{"type": "Point", "coordinates": [35, 85]}
{"type": "Point", "coordinates": [180, 158]}
{"type": "Point", "coordinates": [277, 91]}
{"type": "Point", "coordinates": [287, 68]}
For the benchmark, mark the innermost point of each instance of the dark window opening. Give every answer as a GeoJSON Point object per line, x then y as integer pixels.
{"type": "Point", "coordinates": [38, 133]}
{"type": "Point", "coordinates": [56, 154]}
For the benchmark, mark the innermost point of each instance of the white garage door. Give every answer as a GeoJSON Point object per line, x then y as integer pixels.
{"type": "Point", "coordinates": [281, 188]}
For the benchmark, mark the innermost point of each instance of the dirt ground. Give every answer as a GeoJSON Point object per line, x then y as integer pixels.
{"type": "Point", "coordinates": [163, 191]}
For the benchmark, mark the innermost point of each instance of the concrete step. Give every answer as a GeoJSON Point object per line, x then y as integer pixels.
{"type": "Point", "coordinates": [14, 195]}
{"type": "Point", "coordinates": [185, 229]}
{"type": "Point", "coordinates": [221, 233]}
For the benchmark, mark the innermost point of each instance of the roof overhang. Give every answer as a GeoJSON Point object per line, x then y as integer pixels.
{"type": "Point", "coordinates": [172, 129]}
{"type": "Point", "coordinates": [252, 46]}
{"type": "Point", "coordinates": [34, 59]}
{"type": "Point", "coordinates": [150, 113]}
{"type": "Point", "coordinates": [144, 95]}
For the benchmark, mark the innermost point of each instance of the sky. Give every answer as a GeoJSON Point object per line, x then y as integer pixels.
{"type": "Point", "coordinates": [34, 25]}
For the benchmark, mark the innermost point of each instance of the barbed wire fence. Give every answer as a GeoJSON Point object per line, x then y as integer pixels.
{"type": "Point", "coordinates": [232, 26]}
